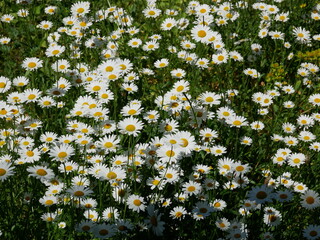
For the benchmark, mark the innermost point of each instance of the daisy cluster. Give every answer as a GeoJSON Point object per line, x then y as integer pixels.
{"type": "Point", "coordinates": [139, 123]}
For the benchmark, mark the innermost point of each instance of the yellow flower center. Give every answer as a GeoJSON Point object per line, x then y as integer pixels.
{"type": "Point", "coordinates": [69, 168]}
{"type": "Point", "coordinates": [2, 172]}
{"type": "Point", "coordinates": [130, 128]}
{"type": "Point", "coordinates": [137, 202]}
{"type": "Point", "coordinates": [62, 154]}
{"type": "Point", "coordinates": [310, 200]}
{"type": "Point", "coordinates": [55, 52]}
{"type": "Point", "coordinates": [237, 123]}
{"type": "Point", "coordinates": [180, 88]}
{"type": "Point", "coordinates": [32, 64]}
{"type": "Point", "coordinates": [170, 153]}
{"type": "Point", "coordinates": [132, 112]}
{"type": "Point", "coordinates": [31, 96]}
{"type": "Point", "coordinates": [78, 193]}
{"type": "Point", "coordinates": [49, 202]}
{"type": "Point", "coordinates": [111, 175]}
{"type": "Point", "coordinates": [80, 10]}
{"type": "Point", "coordinates": [169, 175]}
{"type": "Point", "coordinates": [221, 58]}
{"type": "Point", "coordinates": [202, 33]}
{"type": "Point", "coordinates": [239, 168]}
{"type": "Point", "coordinates": [41, 172]}
{"type": "Point", "coordinates": [261, 195]}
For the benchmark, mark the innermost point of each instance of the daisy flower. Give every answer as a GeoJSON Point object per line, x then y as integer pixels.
{"type": "Point", "coordinates": [112, 174]}
{"type": "Point", "coordinates": [23, 13]}
{"type": "Point", "coordinates": [5, 40]}
{"type": "Point", "coordinates": [314, 99]}
{"type": "Point", "coordinates": [181, 86]}
{"type": "Point", "coordinates": [310, 199]}
{"type": "Point", "coordinates": [5, 84]}
{"type": "Point", "coordinates": [103, 231]}
{"type": "Point", "coordinates": [315, 146]}
{"type": "Point", "coordinates": [7, 18]}
{"type": "Point", "coordinates": [306, 136]}
{"type": "Point", "coordinates": [40, 172]}
{"type": "Point", "coordinates": [237, 121]}
{"type": "Point", "coordinates": [301, 34]}
{"type": "Point", "coordinates": [288, 127]}
{"type": "Point", "coordinates": [6, 170]}
{"type": "Point", "coordinates": [191, 188]}
{"type": "Point", "coordinates": [154, 221]}
{"type": "Point", "coordinates": [257, 125]}
{"type": "Point", "coordinates": [312, 232]}
{"type": "Point", "coordinates": [20, 81]}
{"type": "Point", "coordinates": [151, 12]}
{"type": "Point", "coordinates": [50, 10]}
{"type": "Point", "coordinates": [80, 8]}
{"type": "Point", "coordinates": [32, 63]}
{"type": "Point", "coordinates": [202, 209]}
{"type": "Point", "coordinates": [169, 153]}
{"type": "Point", "coordinates": [201, 33]}
{"type": "Point", "coordinates": [284, 196]}
{"type": "Point", "coordinates": [260, 194]}
{"type": "Point", "coordinates": [170, 175]}
{"type": "Point", "coordinates": [61, 152]}
{"type": "Point", "coordinates": [134, 42]}
{"type": "Point", "coordinates": [110, 214]}
{"type": "Point", "coordinates": [300, 187]}
{"type": "Point", "coordinates": [168, 24]}
{"type": "Point", "coordinates": [48, 217]}
{"type": "Point", "coordinates": [48, 201]}
{"type": "Point", "coordinates": [150, 46]}
{"type": "Point", "coordinates": [79, 191]}
{"type": "Point", "coordinates": [136, 203]}
{"type": "Point", "coordinates": [130, 126]}
{"type": "Point", "coordinates": [178, 212]}
{"type": "Point", "coordinates": [223, 224]}
{"type": "Point", "coordinates": [46, 25]}
{"type": "Point", "coordinates": [305, 121]}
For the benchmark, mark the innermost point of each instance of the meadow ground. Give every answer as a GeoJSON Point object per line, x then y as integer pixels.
{"type": "Point", "coordinates": [159, 119]}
